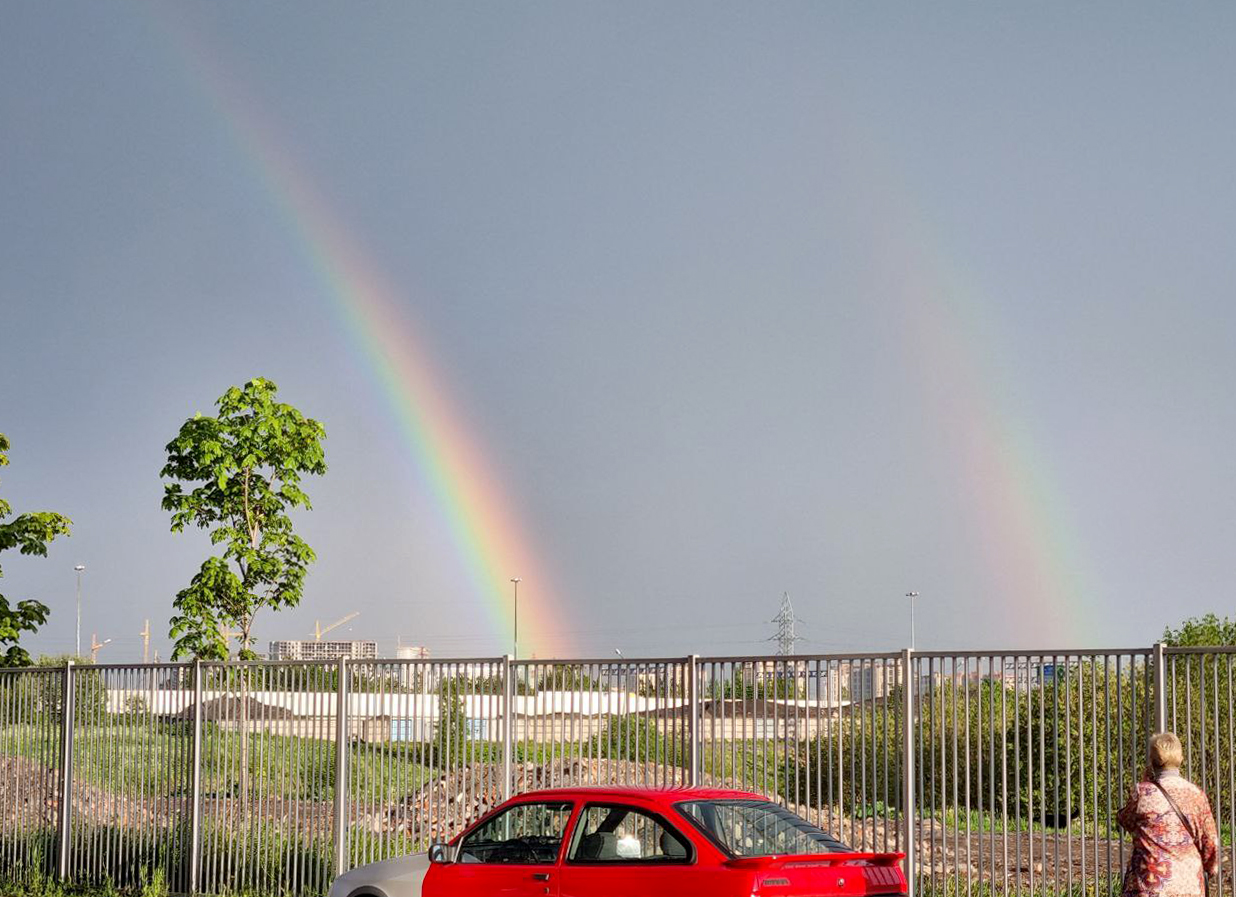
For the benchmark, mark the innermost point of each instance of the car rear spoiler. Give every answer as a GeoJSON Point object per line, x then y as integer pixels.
{"type": "Point", "coordinates": [781, 861]}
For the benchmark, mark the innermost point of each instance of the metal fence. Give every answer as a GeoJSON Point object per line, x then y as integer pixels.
{"type": "Point", "coordinates": [995, 772]}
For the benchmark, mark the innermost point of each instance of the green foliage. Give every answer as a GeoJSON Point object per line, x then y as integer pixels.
{"type": "Point", "coordinates": [31, 866]}
{"type": "Point", "coordinates": [154, 884]}
{"type": "Point", "coordinates": [661, 688]}
{"type": "Point", "coordinates": [257, 861]}
{"type": "Point", "coordinates": [238, 475]}
{"type": "Point", "coordinates": [641, 739]}
{"type": "Point", "coordinates": [1197, 680]}
{"type": "Point", "coordinates": [1194, 682]}
{"type": "Point", "coordinates": [1065, 742]}
{"type": "Point", "coordinates": [29, 533]}
{"type": "Point", "coordinates": [479, 685]}
{"type": "Point", "coordinates": [140, 872]}
{"type": "Point", "coordinates": [857, 743]}
{"type": "Point", "coordinates": [744, 685]}
{"type": "Point", "coordinates": [451, 735]}
{"type": "Point", "coordinates": [1207, 630]}
{"type": "Point", "coordinates": [38, 693]}
{"type": "Point", "coordinates": [362, 678]}
{"type": "Point", "coordinates": [566, 677]}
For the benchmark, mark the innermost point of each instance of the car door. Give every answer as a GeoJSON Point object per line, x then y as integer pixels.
{"type": "Point", "coordinates": [514, 853]}
{"type": "Point", "coordinates": [621, 850]}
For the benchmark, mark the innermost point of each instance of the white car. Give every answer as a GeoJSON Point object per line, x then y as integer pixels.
{"type": "Point", "coordinates": [400, 877]}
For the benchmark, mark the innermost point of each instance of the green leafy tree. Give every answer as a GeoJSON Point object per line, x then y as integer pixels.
{"type": "Point", "coordinates": [238, 475]}
{"type": "Point", "coordinates": [1202, 679]}
{"type": "Point", "coordinates": [452, 733]}
{"type": "Point", "coordinates": [565, 677]}
{"type": "Point", "coordinates": [43, 693]}
{"type": "Point", "coordinates": [744, 685]}
{"type": "Point", "coordinates": [1204, 630]}
{"type": "Point", "coordinates": [29, 533]}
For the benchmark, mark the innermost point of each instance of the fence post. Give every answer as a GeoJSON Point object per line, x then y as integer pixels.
{"type": "Point", "coordinates": [909, 812]}
{"type": "Point", "coordinates": [195, 784]}
{"type": "Point", "coordinates": [508, 723]}
{"type": "Point", "coordinates": [1160, 688]}
{"type": "Point", "coordinates": [693, 727]}
{"type": "Point", "coordinates": [66, 771]}
{"type": "Point", "coordinates": [341, 769]}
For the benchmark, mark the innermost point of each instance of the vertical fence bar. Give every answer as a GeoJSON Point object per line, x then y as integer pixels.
{"type": "Point", "coordinates": [341, 767]}
{"type": "Point", "coordinates": [66, 770]}
{"type": "Point", "coordinates": [1160, 688]}
{"type": "Point", "coordinates": [508, 725]}
{"type": "Point", "coordinates": [195, 787]}
{"type": "Point", "coordinates": [908, 818]}
{"type": "Point", "coordinates": [693, 723]}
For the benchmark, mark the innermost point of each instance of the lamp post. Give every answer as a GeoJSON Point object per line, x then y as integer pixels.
{"type": "Point", "coordinates": [78, 649]}
{"type": "Point", "coordinates": [515, 581]}
{"type": "Point", "coordinates": [912, 596]}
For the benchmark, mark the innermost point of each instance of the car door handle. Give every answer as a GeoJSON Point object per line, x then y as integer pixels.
{"type": "Point", "coordinates": [540, 876]}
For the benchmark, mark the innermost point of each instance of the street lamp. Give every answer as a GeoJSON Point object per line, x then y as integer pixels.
{"type": "Point", "coordinates": [79, 568]}
{"type": "Point", "coordinates": [912, 596]}
{"type": "Point", "coordinates": [515, 581]}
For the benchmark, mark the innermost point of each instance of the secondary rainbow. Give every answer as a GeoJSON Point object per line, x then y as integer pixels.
{"type": "Point", "coordinates": [1032, 548]}
{"type": "Point", "coordinates": [492, 544]}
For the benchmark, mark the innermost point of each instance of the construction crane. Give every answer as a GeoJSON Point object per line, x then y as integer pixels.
{"type": "Point", "coordinates": [319, 630]}
{"type": "Point", "coordinates": [95, 645]}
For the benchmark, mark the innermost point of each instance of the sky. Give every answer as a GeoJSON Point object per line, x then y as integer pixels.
{"type": "Point", "coordinates": [665, 309]}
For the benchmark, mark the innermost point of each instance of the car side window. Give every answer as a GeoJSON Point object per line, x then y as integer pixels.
{"type": "Point", "coordinates": [528, 834]}
{"type": "Point", "coordinates": [620, 834]}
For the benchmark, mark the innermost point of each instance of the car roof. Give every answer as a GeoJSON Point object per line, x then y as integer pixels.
{"type": "Point", "coordinates": [668, 794]}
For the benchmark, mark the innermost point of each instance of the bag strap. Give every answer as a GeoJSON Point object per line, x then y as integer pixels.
{"type": "Point", "coordinates": [1183, 818]}
{"type": "Point", "coordinates": [1192, 834]}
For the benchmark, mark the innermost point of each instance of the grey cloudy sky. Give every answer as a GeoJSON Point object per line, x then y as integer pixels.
{"type": "Point", "coordinates": [839, 300]}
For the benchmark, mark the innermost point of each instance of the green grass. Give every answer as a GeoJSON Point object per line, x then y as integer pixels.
{"type": "Point", "coordinates": [156, 763]}
{"type": "Point", "coordinates": [958, 886]}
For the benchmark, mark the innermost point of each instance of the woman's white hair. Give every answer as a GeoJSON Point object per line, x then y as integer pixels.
{"type": "Point", "coordinates": [1165, 751]}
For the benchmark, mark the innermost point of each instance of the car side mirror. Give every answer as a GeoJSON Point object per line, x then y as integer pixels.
{"type": "Point", "coordinates": [442, 853]}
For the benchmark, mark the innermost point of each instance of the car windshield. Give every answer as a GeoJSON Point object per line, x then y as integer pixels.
{"type": "Point", "coordinates": [755, 828]}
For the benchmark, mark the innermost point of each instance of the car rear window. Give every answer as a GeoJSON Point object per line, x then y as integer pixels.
{"type": "Point", "coordinates": [753, 828]}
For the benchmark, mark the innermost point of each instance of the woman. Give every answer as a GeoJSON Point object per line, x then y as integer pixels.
{"type": "Point", "coordinates": [1174, 838]}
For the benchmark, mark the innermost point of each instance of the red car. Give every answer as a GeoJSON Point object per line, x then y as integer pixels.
{"type": "Point", "coordinates": [643, 842]}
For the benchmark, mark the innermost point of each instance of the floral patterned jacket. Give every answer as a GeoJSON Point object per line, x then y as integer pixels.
{"type": "Point", "coordinates": [1166, 861]}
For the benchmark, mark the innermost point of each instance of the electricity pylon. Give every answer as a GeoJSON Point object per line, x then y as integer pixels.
{"type": "Point", "coordinates": [785, 637]}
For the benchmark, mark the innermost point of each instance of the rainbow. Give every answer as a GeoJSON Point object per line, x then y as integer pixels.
{"type": "Point", "coordinates": [491, 543]}
{"type": "Point", "coordinates": [1028, 540]}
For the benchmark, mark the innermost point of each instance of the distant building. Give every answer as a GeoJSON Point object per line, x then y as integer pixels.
{"type": "Point", "coordinates": [312, 650]}
{"type": "Point", "coordinates": [414, 676]}
{"type": "Point", "coordinates": [873, 680]}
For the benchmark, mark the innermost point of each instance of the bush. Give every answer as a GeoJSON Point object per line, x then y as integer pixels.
{"type": "Point", "coordinates": [1048, 750]}
{"type": "Point", "coordinates": [640, 739]}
